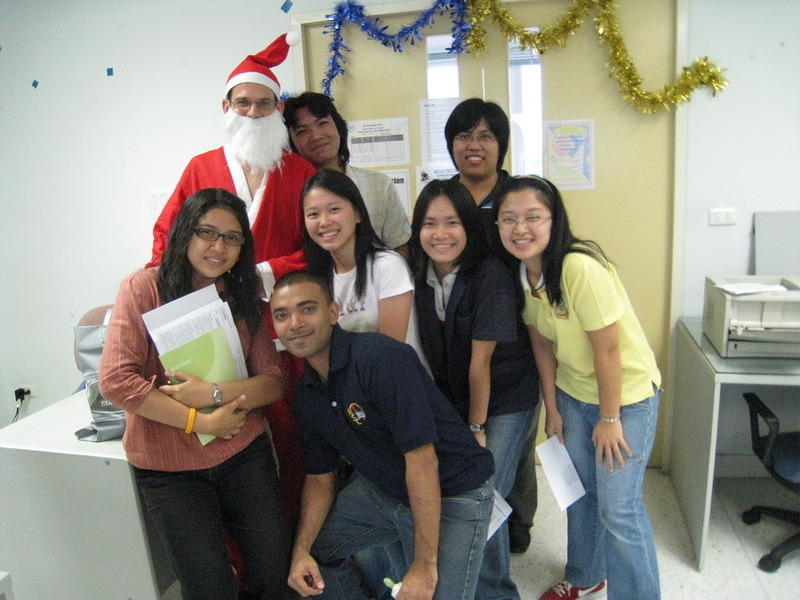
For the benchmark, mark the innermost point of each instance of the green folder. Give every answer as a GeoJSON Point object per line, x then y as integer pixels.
{"type": "Point", "coordinates": [208, 357]}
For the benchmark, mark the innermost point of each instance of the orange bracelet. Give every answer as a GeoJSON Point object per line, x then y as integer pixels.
{"type": "Point", "coordinates": [190, 421]}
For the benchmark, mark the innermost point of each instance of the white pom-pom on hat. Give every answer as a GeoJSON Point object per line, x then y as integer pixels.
{"type": "Point", "coordinates": [292, 38]}
{"type": "Point", "coordinates": [256, 67]}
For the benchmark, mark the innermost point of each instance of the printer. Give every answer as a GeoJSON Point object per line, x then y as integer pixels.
{"type": "Point", "coordinates": [763, 324]}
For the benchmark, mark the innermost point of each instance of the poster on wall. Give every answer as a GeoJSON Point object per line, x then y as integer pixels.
{"type": "Point", "coordinates": [569, 154]}
{"type": "Point", "coordinates": [400, 181]}
{"type": "Point", "coordinates": [427, 174]}
{"type": "Point", "coordinates": [379, 142]}
{"type": "Point", "coordinates": [433, 113]}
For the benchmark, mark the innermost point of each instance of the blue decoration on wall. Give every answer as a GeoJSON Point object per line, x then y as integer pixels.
{"type": "Point", "coordinates": [110, 72]}
{"type": "Point", "coordinates": [351, 12]}
{"type": "Point", "coordinates": [35, 84]}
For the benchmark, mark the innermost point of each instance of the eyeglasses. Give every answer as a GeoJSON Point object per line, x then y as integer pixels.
{"type": "Point", "coordinates": [231, 238]}
{"type": "Point", "coordinates": [242, 105]}
{"type": "Point", "coordinates": [533, 220]}
{"type": "Point", "coordinates": [484, 137]}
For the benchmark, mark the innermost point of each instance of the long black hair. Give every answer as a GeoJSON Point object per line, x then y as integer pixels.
{"type": "Point", "coordinates": [320, 261]}
{"type": "Point", "coordinates": [562, 241]}
{"type": "Point", "coordinates": [242, 283]}
{"type": "Point", "coordinates": [469, 215]}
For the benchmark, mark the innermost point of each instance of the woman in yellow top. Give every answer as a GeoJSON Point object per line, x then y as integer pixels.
{"type": "Point", "coordinates": [600, 390]}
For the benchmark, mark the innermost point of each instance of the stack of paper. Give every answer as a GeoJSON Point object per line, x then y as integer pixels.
{"type": "Point", "coordinates": [196, 334]}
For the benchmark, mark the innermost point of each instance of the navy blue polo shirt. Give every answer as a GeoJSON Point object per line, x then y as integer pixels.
{"type": "Point", "coordinates": [482, 306]}
{"type": "Point", "coordinates": [378, 404]}
{"type": "Point", "coordinates": [487, 207]}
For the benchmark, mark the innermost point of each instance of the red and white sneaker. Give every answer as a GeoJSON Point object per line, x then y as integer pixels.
{"type": "Point", "coordinates": [564, 590]}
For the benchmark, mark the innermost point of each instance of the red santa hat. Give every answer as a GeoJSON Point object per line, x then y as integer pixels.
{"type": "Point", "coordinates": [256, 67]}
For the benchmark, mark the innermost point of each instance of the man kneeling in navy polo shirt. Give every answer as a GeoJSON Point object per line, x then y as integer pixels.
{"type": "Point", "coordinates": [420, 476]}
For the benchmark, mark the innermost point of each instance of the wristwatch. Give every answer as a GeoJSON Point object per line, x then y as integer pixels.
{"type": "Point", "coordinates": [216, 395]}
{"type": "Point", "coordinates": [609, 419]}
{"type": "Point", "coordinates": [475, 427]}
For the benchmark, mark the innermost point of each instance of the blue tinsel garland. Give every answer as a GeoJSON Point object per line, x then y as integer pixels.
{"type": "Point", "coordinates": [353, 13]}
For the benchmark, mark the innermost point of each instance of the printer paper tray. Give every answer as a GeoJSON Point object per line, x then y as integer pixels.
{"type": "Point", "coordinates": [764, 335]}
{"type": "Point", "coordinates": [738, 349]}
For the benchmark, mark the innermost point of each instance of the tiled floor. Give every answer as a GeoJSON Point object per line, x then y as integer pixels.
{"type": "Point", "coordinates": [730, 572]}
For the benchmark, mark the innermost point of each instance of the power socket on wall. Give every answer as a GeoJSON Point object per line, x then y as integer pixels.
{"type": "Point", "coordinates": [721, 216]}
{"type": "Point", "coordinates": [28, 390]}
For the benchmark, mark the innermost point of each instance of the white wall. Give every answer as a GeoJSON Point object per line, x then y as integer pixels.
{"type": "Point", "coordinates": [744, 144]}
{"type": "Point", "coordinates": [743, 151]}
{"type": "Point", "coordinates": [81, 155]}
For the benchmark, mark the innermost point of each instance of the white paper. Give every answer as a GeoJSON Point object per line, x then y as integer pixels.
{"type": "Point", "coordinates": [500, 512]}
{"type": "Point", "coordinates": [401, 183]}
{"type": "Point", "coordinates": [750, 287]}
{"type": "Point", "coordinates": [379, 142]}
{"type": "Point", "coordinates": [188, 317]}
{"type": "Point", "coordinates": [177, 308]}
{"type": "Point", "coordinates": [433, 114]}
{"type": "Point", "coordinates": [427, 174]}
{"type": "Point", "coordinates": [560, 472]}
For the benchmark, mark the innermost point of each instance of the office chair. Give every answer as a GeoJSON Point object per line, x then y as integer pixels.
{"type": "Point", "coordinates": [780, 454]}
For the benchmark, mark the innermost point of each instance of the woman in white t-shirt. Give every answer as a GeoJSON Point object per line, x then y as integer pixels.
{"type": "Point", "coordinates": [373, 287]}
{"type": "Point", "coordinates": [371, 283]}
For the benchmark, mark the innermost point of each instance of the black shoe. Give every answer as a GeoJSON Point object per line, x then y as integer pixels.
{"type": "Point", "coordinates": [519, 538]}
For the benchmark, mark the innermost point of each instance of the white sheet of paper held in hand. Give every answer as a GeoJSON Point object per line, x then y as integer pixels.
{"type": "Point", "coordinates": [500, 512]}
{"type": "Point", "coordinates": [560, 472]}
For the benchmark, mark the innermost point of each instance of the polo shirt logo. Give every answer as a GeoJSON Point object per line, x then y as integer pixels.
{"type": "Point", "coordinates": [356, 413]}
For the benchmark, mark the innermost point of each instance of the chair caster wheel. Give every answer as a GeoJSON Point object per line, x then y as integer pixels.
{"type": "Point", "coordinates": [751, 516]}
{"type": "Point", "coordinates": [769, 564]}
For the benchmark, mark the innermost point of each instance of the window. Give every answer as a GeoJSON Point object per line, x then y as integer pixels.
{"type": "Point", "coordinates": [442, 67]}
{"type": "Point", "coordinates": [525, 106]}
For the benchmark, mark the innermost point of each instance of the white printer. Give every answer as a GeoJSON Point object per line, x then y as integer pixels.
{"type": "Point", "coordinates": [761, 324]}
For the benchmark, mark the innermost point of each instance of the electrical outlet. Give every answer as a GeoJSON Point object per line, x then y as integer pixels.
{"type": "Point", "coordinates": [721, 216]}
{"type": "Point", "coordinates": [25, 386]}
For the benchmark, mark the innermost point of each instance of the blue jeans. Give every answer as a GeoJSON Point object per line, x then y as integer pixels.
{"type": "Point", "coordinates": [192, 508]}
{"type": "Point", "coordinates": [608, 531]}
{"type": "Point", "coordinates": [505, 437]}
{"type": "Point", "coordinates": [362, 516]}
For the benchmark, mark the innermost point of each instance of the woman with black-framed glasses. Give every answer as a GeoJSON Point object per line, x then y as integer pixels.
{"type": "Point", "coordinates": [195, 492]}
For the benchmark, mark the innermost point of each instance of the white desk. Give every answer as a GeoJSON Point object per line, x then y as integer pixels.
{"type": "Point", "coordinates": [70, 522]}
{"type": "Point", "coordinates": [700, 375]}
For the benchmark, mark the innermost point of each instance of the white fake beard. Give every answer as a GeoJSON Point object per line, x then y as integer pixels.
{"type": "Point", "coordinates": [258, 143]}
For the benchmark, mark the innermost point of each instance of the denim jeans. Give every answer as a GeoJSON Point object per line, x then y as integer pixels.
{"type": "Point", "coordinates": [505, 437]}
{"type": "Point", "coordinates": [362, 516]}
{"type": "Point", "coordinates": [524, 494]}
{"type": "Point", "coordinates": [608, 531]}
{"type": "Point", "coordinates": [192, 508]}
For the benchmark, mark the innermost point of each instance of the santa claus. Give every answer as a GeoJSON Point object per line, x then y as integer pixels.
{"type": "Point", "coordinates": [257, 165]}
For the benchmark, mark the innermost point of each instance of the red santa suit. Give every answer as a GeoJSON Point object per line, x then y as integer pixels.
{"type": "Point", "coordinates": [275, 215]}
{"type": "Point", "coordinates": [277, 224]}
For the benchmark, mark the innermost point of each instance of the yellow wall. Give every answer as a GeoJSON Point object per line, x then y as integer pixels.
{"type": "Point", "coordinates": [629, 213]}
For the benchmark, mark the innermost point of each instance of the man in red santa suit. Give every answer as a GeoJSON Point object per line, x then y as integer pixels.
{"type": "Point", "coordinates": [257, 165]}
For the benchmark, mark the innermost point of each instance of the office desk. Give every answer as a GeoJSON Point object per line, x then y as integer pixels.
{"type": "Point", "coordinates": [70, 522]}
{"type": "Point", "coordinates": [700, 375]}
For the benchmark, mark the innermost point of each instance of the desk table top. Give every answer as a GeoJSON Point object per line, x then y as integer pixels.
{"type": "Point", "coordinates": [52, 429]}
{"type": "Point", "coordinates": [738, 366]}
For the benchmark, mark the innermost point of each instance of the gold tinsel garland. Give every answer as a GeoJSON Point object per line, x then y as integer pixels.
{"type": "Point", "coordinates": [701, 72]}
